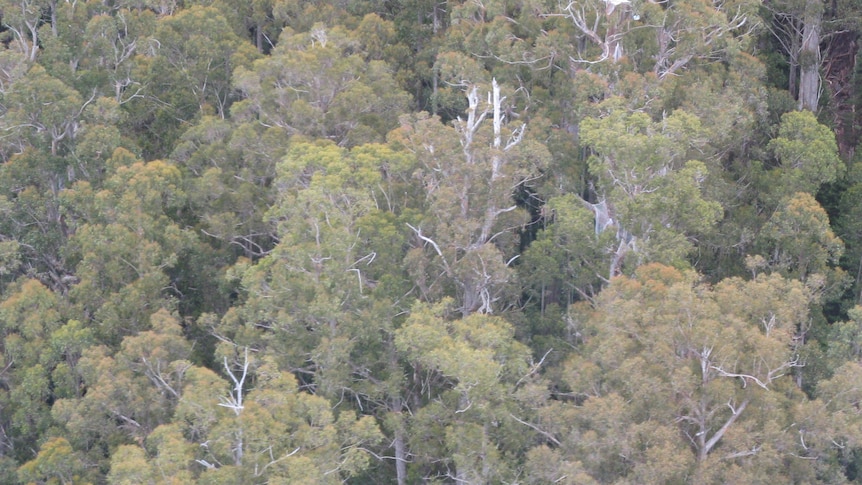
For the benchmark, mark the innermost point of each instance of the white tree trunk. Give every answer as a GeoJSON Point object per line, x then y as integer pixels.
{"type": "Point", "coordinates": [809, 57]}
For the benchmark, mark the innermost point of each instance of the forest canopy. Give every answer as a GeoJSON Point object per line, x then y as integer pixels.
{"type": "Point", "coordinates": [309, 242]}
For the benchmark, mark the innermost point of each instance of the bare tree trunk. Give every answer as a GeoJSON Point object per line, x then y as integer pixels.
{"type": "Point", "coordinates": [258, 35]}
{"type": "Point", "coordinates": [809, 57]}
{"type": "Point", "coordinates": [54, 18]}
{"type": "Point", "coordinates": [793, 59]}
{"type": "Point", "coordinates": [614, 36]}
{"type": "Point", "coordinates": [400, 458]}
{"type": "Point", "coordinates": [396, 406]}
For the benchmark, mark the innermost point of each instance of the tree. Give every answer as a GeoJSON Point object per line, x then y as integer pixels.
{"type": "Point", "coordinates": [315, 84]}
{"type": "Point", "coordinates": [846, 226]}
{"type": "Point", "coordinates": [204, 64]}
{"type": "Point", "coordinates": [699, 31]}
{"type": "Point", "coordinates": [323, 303]}
{"type": "Point", "coordinates": [474, 368]}
{"type": "Point", "coordinates": [467, 235]}
{"type": "Point", "coordinates": [798, 26]}
{"type": "Point", "coordinates": [649, 189]}
{"type": "Point", "coordinates": [31, 314]}
{"type": "Point", "coordinates": [130, 393]}
{"type": "Point", "coordinates": [665, 356]}
{"type": "Point", "coordinates": [663, 39]}
{"type": "Point", "coordinates": [799, 240]}
{"type": "Point", "coordinates": [807, 153]}
{"type": "Point", "coordinates": [230, 187]}
{"type": "Point", "coordinates": [125, 243]}
{"type": "Point", "coordinates": [43, 112]}
{"type": "Point", "coordinates": [129, 466]}
{"type": "Point", "coordinates": [55, 463]}
{"type": "Point", "coordinates": [116, 51]}
{"type": "Point", "coordinates": [23, 20]}
{"type": "Point", "coordinates": [187, 74]}
{"type": "Point", "coordinates": [601, 24]}
{"type": "Point", "coordinates": [273, 432]}
{"type": "Point", "coordinates": [68, 344]}
{"type": "Point", "coordinates": [328, 197]}
{"type": "Point", "coordinates": [567, 261]}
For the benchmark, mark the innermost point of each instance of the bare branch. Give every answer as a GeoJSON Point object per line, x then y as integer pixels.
{"type": "Point", "coordinates": [234, 401]}
{"type": "Point", "coordinates": [735, 413]}
{"type": "Point", "coordinates": [535, 367]}
{"type": "Point", "coordinates": [273, 462]}
{"type": "Point", "coordinates": [535, 428]}
{"type": "Point", "coordinates": [206, 464]}
{"type": "Point", "coordinates": [740, 454]}
{"type": "Point", "coordinates": [155, 375]}
{"type": "Point", "coordinates": [426, 239]}
{"type": "Point", "coordinates": [744, 377]}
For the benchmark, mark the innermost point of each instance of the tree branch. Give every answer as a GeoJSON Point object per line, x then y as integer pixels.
{"type": "Point", "coordinates": [736, 412]}
{"type": "Point", "coordinates": [535, 428]}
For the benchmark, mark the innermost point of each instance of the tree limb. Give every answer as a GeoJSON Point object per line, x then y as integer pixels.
{"type": "Point", "coordinates": [736, 412]}
{"type": "Point", "coordinates": [535, 428]}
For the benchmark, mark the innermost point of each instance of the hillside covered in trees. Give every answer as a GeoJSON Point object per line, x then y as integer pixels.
{"type": "Point", "coordinates": [484, 242]}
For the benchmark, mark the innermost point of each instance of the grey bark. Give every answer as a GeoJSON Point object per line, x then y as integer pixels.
{"type": "Point", "coordinates": [810, 58]}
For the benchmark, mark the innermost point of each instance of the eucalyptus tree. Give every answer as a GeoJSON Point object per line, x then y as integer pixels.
{"type": "Point", "coordinates": [681, 381]}
{"type": "Point", "coordinates": [324, 302]}
{"type": "Point", "coordinates": [320, 84]}
{"type": "Point", "coordinates": [649, 186]}
{"type": "Point", "coordinates": [466, 239]}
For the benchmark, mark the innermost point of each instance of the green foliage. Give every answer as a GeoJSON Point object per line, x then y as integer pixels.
{"type": "Point", "coordinates": [562, 264]}
{"type": "Point", "coordinates": [807, 152]}
{"type": "Point", "coordinates": [54, 463]}
{"type": "Point", "coordinates": [800, 240]}
{"type": "Point", "coordinates": [652, 188]}
{"type": "Point", "coordinates": [298, 241]}
{"type": "Point", "coordinates": [478, 366]}
{"type": "Point", "coordinates": [316, 84]}
{"type": "Point", "coordinates": [665, 356]}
